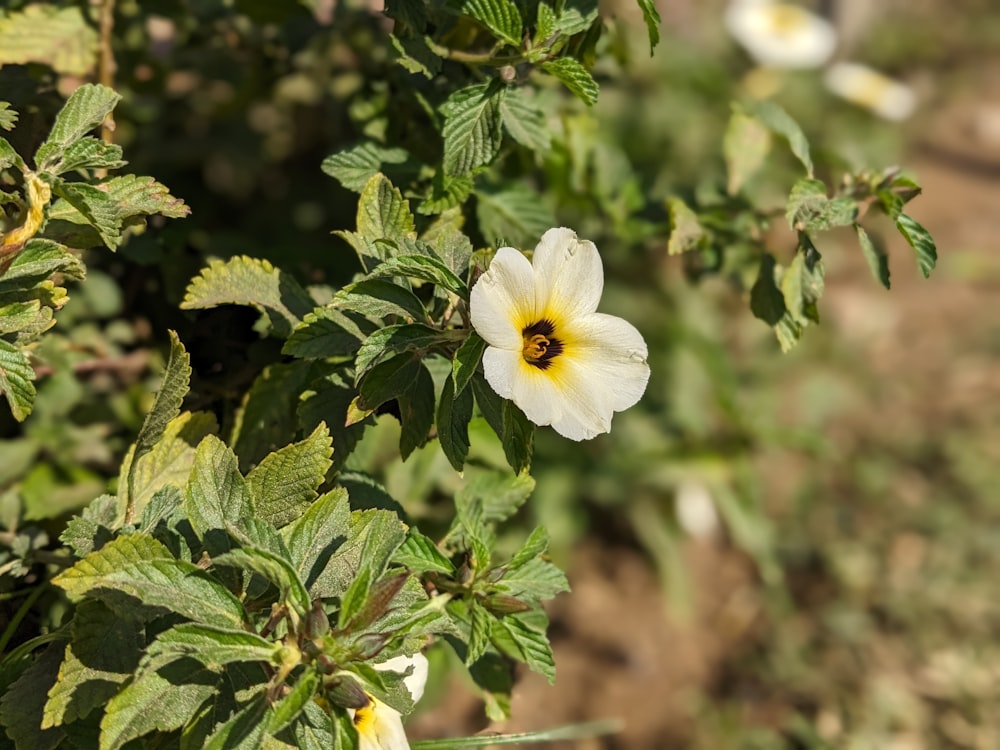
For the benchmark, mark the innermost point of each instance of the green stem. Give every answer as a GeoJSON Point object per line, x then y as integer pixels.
{"type": "Point", "coordinates": [22, 611]}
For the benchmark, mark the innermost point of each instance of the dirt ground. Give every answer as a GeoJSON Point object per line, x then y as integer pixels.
{"type": "Point", "coordinates": [618, 651]}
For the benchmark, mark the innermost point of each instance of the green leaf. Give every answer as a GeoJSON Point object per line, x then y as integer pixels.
{"type": "Point", "coordinates": [168, 463]}
{"type": "Point", "coordinates": [23, 703]}
{"type": "Point", "coordinates": [652, 18]}
{"type": "Point", "coordinates": [779, 121]}
{"type": "Point", "coordinates": [103, 653]}
{"type": "Point", "coordinates": [354, 167]}
{"type": "Point", "coordinates": [515, 214]}
{"type": "Point", "coordinates": [467, 360]}
{"type": "Point", "coordinates": [320, 530]}
{"type": "Point", "coordinates": [385, 382]}
{"type": "Point", "coordinates": [144, 570]}
{"type": "Point", "coordinates": [745, 146]}
{"type": "Point", "coordinates": [38, 260]}
{"type": "Point", "coordinates": [286, 710]}
{"type": "Point", "coordinates": [380, 299]}
{"type": "Point", "coordinates": [89, 153]}
{"type": "Point", "coordinates": [140, 196]}
{"type": "Point", "coordinates": [212, 646]}
{"type": "Point", "coordinates": [810, 210]}
{"type": "Point", "coordinates": [284, 485]}
{"type": "Point", "coordinates": [91, 529]}
{"type": "Point", "coordinates": [766, 300]}
{"type": "Point", "coordinates": [16, 375]}
{"type": "Point", "coordinates": [254, 282]}
{"type": "Point", "coordinates": [801, 287]}
{"type": "Point", "coordinates": [383, 212]}
{"type": "Point", "coordinates": [166, 408]}
{"type": "Point", "coordinates": [875, 256]}
{"type": "Point", "coordinates": [273, 568]}
{"type": "Point", "coordinates": [920, 240]}
{"type": "Point", "coordinates": [576, 16]}
{"type": "Point", "coordinates": [535, 545]}
{"type": "Point", "coordinates": [481, 624]}
{"type": "Point", "coordinates": [520, 639]}
{"type": "Point", "coordinates": [501, 17]}
{"type": "Point", "coordinates": [244, 730]}
{"type": "Point", "coordinates": [354, 597]}
{"type": "Point", "coordinates": [372, 539]}
{"type": "Point", "coordinates": [217, 494]}
{"type": "Point", "coordinates": [163, 696]}
{"type": "Point", "coordinates": [493, 496]}
{"type": "Point", "coordinates": [85, 110]}
{"type": "Point", "coordinates": [417, 54]}
{"type": "Point", "coordinates": [329, 397]}
{"type": "Point", "coordinates": [686, 232]}
{"type": "Point", "coordinates": [8, 118]}
{"type": "Point", "coordinates": [46, 34]}
{"type": "Point", "coordinates": [425, 268]}
{"type": "Point", "coordinates": [517, 437]}
{"type": "Point", "coordinates": [95, 207]}
{"type": "Point", "coordinates": [394, 340]}
{"type": "Point", "coordinates": [524, 121]}
{"type": "Point", "coordinates": [471, 130]}
{"type": "Point", "coordinates": [416, 412]}
{"type": "Point", "coordinates": [453, 416]}
{"type": "Point", "coordinates": [421, 555]}
{"type": "Point", "coordinates": [533, 581]}
{"type": "Point", "coordinates": [325, 332]}
{"type": "Point", "coordinates": [573, 76]}
{"type": "Point", "coordinates": [447, 192]}
{"type": "Point", "coordinates": [449, 243]}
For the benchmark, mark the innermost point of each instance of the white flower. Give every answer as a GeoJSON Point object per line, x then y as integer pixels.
{"type": "Point", "coordinates": [380, 726]}
{"type": "Point", "coordinates": [868, 88]}
{"type": "Point", "coordinates": [781, 35]}
{"type": "Point", "coordinates": [549, 352]}
{"type": "Point", "coordinates": [696, 510]}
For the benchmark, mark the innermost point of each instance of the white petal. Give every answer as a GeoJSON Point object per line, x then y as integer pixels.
{"type": "Point", "coordinates": [416, 680]}
{"type": "Point", "coordinates": [782, 35]}
{"type": "Point", "coordinates": [502, 301]}
{"type": "Point", "coordinates": [613, 355]}
{"type": "Point", "coordinates": [869, 88]}
{"type": "Point", "coordinates": [569, 277]}
{"type": "Point", "coordinates": [380, 727]}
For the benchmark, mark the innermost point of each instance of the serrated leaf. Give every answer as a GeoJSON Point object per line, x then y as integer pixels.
{"type": "Point", "coordinates": [517, 437]}
{"type": "Point", "coordinates": [163, 696]}
{"type": "Point", "coordinates": [212, 646]}
{"type": "Point", "coordinates": [386, 381]}
{"type": "Point", "coordinates": [809, 209]}
{"type": "Point", "coordinates": [143, 569]}
{"type": "Point", "coordinates": [383, 213]}
{"type": "Point", "coordinates": [514, 215]}
{"type": "Point", "coordinates": [920, 240]}
{"type": "Point", "coordinates": [96, 208]}
{"type": "Point", "coordinates": [328, 398]}
{"type": "Point", "coordinates": [286, 710]}
{"type": "Point", "coordinates": [354, 597]}
{"type": "Point", "coordinates": [533, 581]}
{"type": "Point", "coordinates": [467, 359]}
{"type": "Point", "coordinates": [501, 17]}
{"type": "Point", "coordinates": [23, 703]}
{"type": "Point", "coordinates": [93, 528]}
{"type": "Point", "coordinates": [780, 122]}
{"type": "Point", "coordinates": [652, 18]}
{"type": "Point", "coordinates": [380, 299]}
{"type": "Point", "coordinates": [417, 54]}
{"type": "Point", "coordinates": [745, 146]}
{"type": "Point", "coordinates": [254, 282]}
{"type": "Point", "coordinates": [273, 568]}
{"type": "Point", "coordinates": [574, 77]}
{"type": "Point", "coordinates": [354, 167]}
{"type": "Point", "coordinates": [453, 416]}
{"type": "Point", "coordinates": [471, 130]}
{"type": "Point", "coordinates": [416, 413]}
{"type": "Point", "coordinates": [524, 121]}
{"type": "Point", "coordinates": [320, 530]}
{"type": "Point", "coordinates": [686, 232]}
{"type": "Point", "coordinates": [216, 493]}
{"type": "Point", "coordinates": [85, 110]}
{"type": "Point", "coordinates": [422, 267]}
{"type": "Point", "coordinates": [244, 730]}
{"type": "Point", "coordinates": [166, 408]}
{"type": "Point", "coordinates": [168, 464]}
{"type": "Point", "coordinates": [372, 539]}
{"type": "Point", "coordinates": [517, 638]}
{"type": "Point", "coordinates": [576, 16]}
{"type": "Point", "coordinates": [766, 300]}
{"type": "Point", "coordinates": [536, 544]}
{"type": "Point", "coordinates": [447, 192]}
{"type": "Point", "coordinates": [103, 653]}
{"type": "Point", "coordinates": [449, 243]}
{"type": "Point", "coordinates": [142, 196]}
{"type": "Point", "coordinates": [394, 340]}
{"type": "Point", "coordinates": [46, 34]}
{"type": "Point", "coordinates": [875, 256]}
{"type": "Point", "coordinates": [88, 153]}
{"type": "Point", "coordinates": [421, 555]}
{"type": "Point", "coordinates": [481, 624]}
{"type": "Point", "coordinates": [38, 260]}
{"type": "Point", "coordinates": [16, 374]}
{"type": "Point", "coordinates": [285, 483]}
{"type": "Point", "coordinates": [492, 497]}
{"type": "Point", "coordinates": [8, 118]}
{"type": "Point", "coordinates": [325, 332]}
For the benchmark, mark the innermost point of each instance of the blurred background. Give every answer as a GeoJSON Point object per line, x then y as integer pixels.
{"type": "Point", "coordinates": [772, 550]}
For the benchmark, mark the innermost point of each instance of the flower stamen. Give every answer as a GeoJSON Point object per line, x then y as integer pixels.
{"type": "Point", "coordinates": [540, 346]}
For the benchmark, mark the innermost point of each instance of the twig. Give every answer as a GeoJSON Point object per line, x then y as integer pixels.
{"type": "Point", "coordinates": [106, 67]}
{"type": "Point", "coordinates": [136, 361]}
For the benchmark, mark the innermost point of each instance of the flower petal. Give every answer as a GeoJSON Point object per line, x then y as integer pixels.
{"type": "Point", "coordinates": [613, 354]}
{"type": "Point", "coordinates": [502, 301]}
{"type": "Point", "coordinates": [416, 680]}
{"type": "Point", "coordinates": [781, 35]}
{"type": "Point", "coordinates": [380, 727]}
{"type": "Point", "coordinates": [569, 277]}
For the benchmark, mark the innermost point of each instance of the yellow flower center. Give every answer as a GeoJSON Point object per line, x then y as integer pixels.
{"type": "Point", "coordinates": [364, 718]}
{"type": "Point", "coordinates": [540, 346]}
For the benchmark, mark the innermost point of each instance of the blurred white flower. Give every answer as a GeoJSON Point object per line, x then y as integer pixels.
{"type": "Point", "coordinates": [380, 726]}
{"type": "Point", "coordinates": [868, 88]}
{"type": "Point", "coordinates": [781, 35]}
{"type": "Point", "coordinates": [695, 510]}
{"type": "Point", "coordinates": [549, 352]}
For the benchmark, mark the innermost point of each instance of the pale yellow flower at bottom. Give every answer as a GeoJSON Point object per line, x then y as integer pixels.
{"type": "Point", "coordinates": [550, 352]}
{"type": "Point", "coordinates": [869, 88]}
{"type": "Point", "coordinates": [380, 726]}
